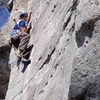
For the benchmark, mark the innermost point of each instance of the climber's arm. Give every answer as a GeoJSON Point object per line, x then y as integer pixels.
{"type": "Point", "coordinates": [29, 16]}
{"type": "Point", "coordinates": [26, 29]}
{"type": "Point", "coordinates": [23, 29]}
{"type": "Point", "coordinates": [23, 26]}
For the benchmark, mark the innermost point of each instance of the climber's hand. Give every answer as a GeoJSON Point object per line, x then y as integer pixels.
{"type": "Point", "coordinates": [30, 12]}
{"type": "Point", "coordinates": [29, 17]}
{"type": "Point", "coordinates": [29, 27]}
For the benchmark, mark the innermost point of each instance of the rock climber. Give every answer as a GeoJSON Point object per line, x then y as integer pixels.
{"type": "Point", "coordinates": [20, 34]}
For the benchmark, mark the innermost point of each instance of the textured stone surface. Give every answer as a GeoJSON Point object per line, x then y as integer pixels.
{"type": "Point", "coordinates": [85, 84]}
{"type": "Point", "coordinates": [4, 59]}
{"type": "Point", "coordinates": [4, 65]}
{"type": "Point", "coordinates": [4, 70]}
{"type": "Point", "coordinates": [65, 60]}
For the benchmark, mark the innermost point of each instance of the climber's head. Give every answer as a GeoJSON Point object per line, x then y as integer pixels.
{"type": "Point", "coordinates": [23, 15]}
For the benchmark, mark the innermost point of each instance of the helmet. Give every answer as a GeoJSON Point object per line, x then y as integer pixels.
{"type": "Point", "coordinates": [23, 13]}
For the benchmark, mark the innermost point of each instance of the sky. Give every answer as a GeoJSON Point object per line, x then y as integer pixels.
{"type": "Point", "coordinates": [4, 14]}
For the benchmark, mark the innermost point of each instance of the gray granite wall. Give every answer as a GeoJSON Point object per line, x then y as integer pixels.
{"type": "Point", "coordinates": [65, 60]}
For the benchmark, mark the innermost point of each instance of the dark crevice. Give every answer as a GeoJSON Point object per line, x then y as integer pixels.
{"type": "Point", "coordinates": [54, 8]}
{"type": "Point", "coordinates": [41, 91]}
{"type": "Point", "coordinates": [10, 6]}
{"type": "Point", "coordinates": [56, 66]}
{"type": "Point", "coordinates": [86, 30]}
{"type": "Point", "coordinates": [66, 23]}
{"type": "Point", "coordinates": [72, 8]}
{"type": "Point", "coordinates": [59, 53]}
{"type": "Point", "coordinates": [48, 59]}
{"type": "Point", "coordinates": [87, 42]}
{"type": "Point", "coordinates": [51, 76]}
{"type": "Point", "coordinates": [67, 40]}
{"type": "Point", "coordinates": [75, 4]}
{"type": "Point", "coordinates": [17, 95]}
{"type": "Point", "coordinates": [39, 58]}
{"type": "Point", "coordinates": [46, 83]}
{"type": "Point", "coordinates": [72, 28]}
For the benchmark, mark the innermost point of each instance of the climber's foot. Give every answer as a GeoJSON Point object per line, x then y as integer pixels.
{"type": "Point", "coordinates": [18, 53]}
{"type": "Point", "coordinates": [29, 47]}
{"type": "Point", "coordinates": [24, 60]}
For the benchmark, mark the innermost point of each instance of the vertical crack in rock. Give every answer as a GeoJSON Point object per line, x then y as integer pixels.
{"type": "Point", "coordinates": [75, 4]}
{"type": "Point", "coordinates": [17, 94]}
{"type": "Point", "coordinates": [72, 8]}
{"type": "Point", "coordinates": [48, 59]}
{"type": "Point", "coordinates": [10, 5]}
{"type": "Point", "coordinates": [72, 28]}
{"type": "Point", "coordinates": [66, 23]}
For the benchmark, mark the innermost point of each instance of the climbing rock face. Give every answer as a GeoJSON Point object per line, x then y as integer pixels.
{"type": "Point", "coordinates": [65, 59]}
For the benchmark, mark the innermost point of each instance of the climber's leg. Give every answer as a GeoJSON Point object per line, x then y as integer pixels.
{"type": "Point", "coordinates": [15, 39]}
{"type": "Point", "coordinates": [24, 40]}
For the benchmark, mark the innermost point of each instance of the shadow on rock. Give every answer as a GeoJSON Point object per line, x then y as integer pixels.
{"type": "Point", "coordinates": [86, 30]}
{"type": "Point", "coordinates": [25, 65]}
